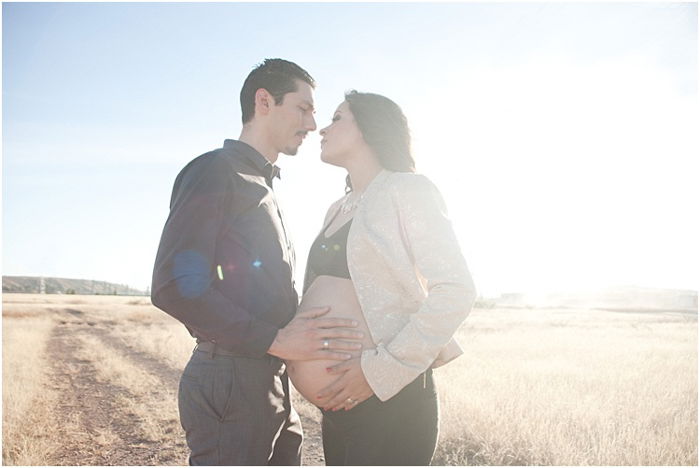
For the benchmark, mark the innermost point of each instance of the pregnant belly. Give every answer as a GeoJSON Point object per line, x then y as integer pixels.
{"type": "Point", "coordinates": [309, 377]}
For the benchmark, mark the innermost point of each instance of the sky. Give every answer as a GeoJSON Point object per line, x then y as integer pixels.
{"type": "Point", "coordinates": [562, 136]}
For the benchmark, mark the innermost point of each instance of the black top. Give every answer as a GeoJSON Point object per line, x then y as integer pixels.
{"type": "Point", "coordinates": [225, 266]}
{"type": "Point", "coordinates": [328, 255]}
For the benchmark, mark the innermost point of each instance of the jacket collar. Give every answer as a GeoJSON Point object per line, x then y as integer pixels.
{"type": "Point", "coordinates": [376, 184]}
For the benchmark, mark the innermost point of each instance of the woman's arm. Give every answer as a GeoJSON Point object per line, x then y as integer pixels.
{"type": "Point", "coordinates": [433, 246]}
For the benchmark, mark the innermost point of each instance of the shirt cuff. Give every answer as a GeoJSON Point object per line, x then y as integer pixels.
{"type": "Point", "coordinates": [259, 338]}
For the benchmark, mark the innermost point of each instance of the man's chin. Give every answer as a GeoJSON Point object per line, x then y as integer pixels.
{"type": "Point", "coordinates": [291, 150]}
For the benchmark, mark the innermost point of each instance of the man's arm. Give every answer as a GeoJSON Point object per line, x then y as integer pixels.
{"type": "Point", "coordinates": [186, 269]}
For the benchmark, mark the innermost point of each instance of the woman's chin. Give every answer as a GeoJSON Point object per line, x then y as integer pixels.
{"type": "Point", "coordinates": [329, 160]}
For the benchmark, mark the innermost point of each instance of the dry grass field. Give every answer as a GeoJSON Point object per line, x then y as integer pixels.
{"type": "Point", "coordinates": [92, 380]}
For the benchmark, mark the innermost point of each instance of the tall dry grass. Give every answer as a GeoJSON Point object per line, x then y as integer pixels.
{"type": "Point", "coordinates": [547, 387]}
{"type": "Point", "coordinates": [27, 435]}
{"type": "Point", "coordinates": [166, 340]}
{"type": "Point", "coordinates": [571, 388]}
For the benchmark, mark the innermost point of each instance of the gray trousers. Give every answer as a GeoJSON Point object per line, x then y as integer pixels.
{"type": "Point", "coordinates": [237, 411]}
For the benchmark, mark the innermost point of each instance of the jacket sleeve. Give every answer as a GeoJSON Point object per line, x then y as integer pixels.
{"type": "Point", "coordinates": [185, 269]}
{"type": "Point", "coordinates": [432, 245]}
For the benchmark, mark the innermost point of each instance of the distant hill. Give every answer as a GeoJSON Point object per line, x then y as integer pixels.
{"type": "Point", "coordinates": [32, 284]}
{"type": "Point", "coordinates": [614, 298]}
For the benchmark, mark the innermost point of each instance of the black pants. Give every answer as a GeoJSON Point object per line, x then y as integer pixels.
{"type": "Point", "coordinates": [400, 431]}
{"type": "Point", "coordinates": [236, 411]}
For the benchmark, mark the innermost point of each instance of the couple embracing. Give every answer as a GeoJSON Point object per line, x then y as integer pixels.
{"type": "Point", "coordinates": [385, 289]}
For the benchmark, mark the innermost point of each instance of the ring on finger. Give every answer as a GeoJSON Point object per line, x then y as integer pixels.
{"type": "Point", "coordinates": [351, 401]}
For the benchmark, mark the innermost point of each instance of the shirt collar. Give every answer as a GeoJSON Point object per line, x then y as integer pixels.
{"type": "Point", "coordinates": [260, 162]}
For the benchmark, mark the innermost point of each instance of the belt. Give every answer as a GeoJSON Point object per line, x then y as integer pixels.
{"type": "Point", "coordinates": [215, 350]}
{"type": "Point", "coordinates": [211, 348]}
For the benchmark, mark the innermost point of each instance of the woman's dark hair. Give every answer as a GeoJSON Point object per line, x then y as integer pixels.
{"type": "Point", "coordinates": [385, 130]}
{"type": "Point", "coordinates": [278, 77]}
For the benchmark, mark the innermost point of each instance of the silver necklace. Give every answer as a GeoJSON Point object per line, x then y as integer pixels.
{"type": "Point", "coordinates": [347, 206]}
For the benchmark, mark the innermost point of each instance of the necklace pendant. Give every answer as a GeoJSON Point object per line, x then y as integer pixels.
{"type": "Point", "coordinates": [348, 205]}
{"type": "Point", "coordinates": [347, 208]}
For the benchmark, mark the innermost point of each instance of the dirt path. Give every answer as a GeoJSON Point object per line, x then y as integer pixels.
{"type": "Point", "coordinates": [95, 429]}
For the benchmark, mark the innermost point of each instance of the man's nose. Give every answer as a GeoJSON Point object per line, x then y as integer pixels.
{"type": "Point", "coordinates": [311, 123]}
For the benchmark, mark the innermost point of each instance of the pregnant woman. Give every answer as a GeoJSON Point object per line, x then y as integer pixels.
{"type": "Point", "coordinates": [387, 256]}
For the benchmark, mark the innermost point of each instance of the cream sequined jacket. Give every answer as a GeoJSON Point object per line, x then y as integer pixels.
{"type": "Point", "coordinates": [411, 279]}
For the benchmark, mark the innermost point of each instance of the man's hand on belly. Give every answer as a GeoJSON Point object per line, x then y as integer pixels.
{"type": "Point", "coordinates": [310, 337]}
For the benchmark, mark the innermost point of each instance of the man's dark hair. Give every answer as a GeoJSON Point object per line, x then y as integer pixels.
{"type": "Point", "coordinates": [384, 128]}
{"type": "Point", "coordinates": [278, 77]}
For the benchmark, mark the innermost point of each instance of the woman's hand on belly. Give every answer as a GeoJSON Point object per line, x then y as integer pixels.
{"type": "Point", "coordinates": [350, 389]}
{"type": "Point", "coordinates": [310, 376]}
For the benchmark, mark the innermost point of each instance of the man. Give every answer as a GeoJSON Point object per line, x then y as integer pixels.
{"type": "Point", "coordinates": [225, 268]}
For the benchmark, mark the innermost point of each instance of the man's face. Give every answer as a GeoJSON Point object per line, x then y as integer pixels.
{"type": "Point", "coordinates": [293, 119]}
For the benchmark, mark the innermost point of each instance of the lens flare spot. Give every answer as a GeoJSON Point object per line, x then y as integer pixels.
{"type": "Point", "coordinates": [220, 271]}
{"type": "Point", "coordinates": [336, 247]}
{"type": "Point", "coordinates": [191, 271]}
{"type": "Point", "coordinates": [257, 263]}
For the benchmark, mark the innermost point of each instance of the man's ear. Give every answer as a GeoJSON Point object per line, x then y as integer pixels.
{"type": "Point", "coordinates": [263, 102]}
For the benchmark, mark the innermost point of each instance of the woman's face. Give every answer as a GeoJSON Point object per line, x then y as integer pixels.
{"type": "Point", "coordinates": [341, 139]}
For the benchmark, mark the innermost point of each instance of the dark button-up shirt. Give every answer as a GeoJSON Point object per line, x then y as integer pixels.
{"type": "Point", "coordinates": [225, 265]}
